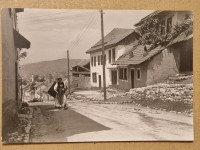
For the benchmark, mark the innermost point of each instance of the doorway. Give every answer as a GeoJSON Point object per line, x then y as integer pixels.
{"type": "Point", "coordinates": [132, 78]}
{"type": "Point", "coordinates": [99, 81]}
{"type": "Point", "coordinates": [186, 60]}
{"type": "Point", "coordinates": [114, 77]}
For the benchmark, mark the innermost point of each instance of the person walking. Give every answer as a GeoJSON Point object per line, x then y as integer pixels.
{"type": "Point", "coordinates": [60, 92]}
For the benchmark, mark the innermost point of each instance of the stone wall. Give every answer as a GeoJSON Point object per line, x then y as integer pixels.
{"type": "Point", "coordinates": [176, 97]}
{"type": "Point", "coordinates": [81, 82]}
{"type": "Point", "coordinates": [162, 66]}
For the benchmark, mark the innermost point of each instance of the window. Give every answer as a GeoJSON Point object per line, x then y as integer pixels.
{"type": "Point", "coordinates": [138, 73]}
{"type": "Point", "coordinates": [109, 55]}
{"type": "Point", "coordinates": [91, 61]}
{"type": "Point", "coordinates": [162, 27]}
{"type": "Point", "coordinates": [169, 25]}
{"type": "Point", "coordinates": [123, 73]}
{"type": "Point", "coordinates": [99, 60]}
{"type": "Point", "coordinates": [113, 55]}
{"type": "Point", "coordinates": [94, 77]}
{"type": "Point", "coordinates": [94, 60]}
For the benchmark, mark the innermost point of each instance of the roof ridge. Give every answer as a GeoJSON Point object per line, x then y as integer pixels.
{"type": "Point", "coordinates": [116, 35]}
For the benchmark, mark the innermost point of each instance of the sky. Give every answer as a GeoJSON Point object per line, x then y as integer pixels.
{"type": "Point", "coordinates": [54, 31]}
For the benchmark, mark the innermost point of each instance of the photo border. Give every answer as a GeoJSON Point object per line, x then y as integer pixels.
{"type": "Point", "coordinates": [193, 5]}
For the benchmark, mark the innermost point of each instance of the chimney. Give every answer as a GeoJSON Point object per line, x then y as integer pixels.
{"type": "Point", "coordinates": [131, 54]}
{"type": "Point", "coordinates": [145, 51]}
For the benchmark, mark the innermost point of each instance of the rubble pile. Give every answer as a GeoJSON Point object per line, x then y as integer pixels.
{"type": "Point", "coordinates": [97, 96]}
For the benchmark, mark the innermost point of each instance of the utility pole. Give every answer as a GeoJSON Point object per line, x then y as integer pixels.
{"type": "Point", "coordinates": [68, 71]}
{"type": "Point", "coordinates": [21, 91]}
{"type": "Point", "coordinates": [103, 55]}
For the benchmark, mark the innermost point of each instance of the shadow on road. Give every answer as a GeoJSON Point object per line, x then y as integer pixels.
{"type": "Point", "coordinates": [54, 125]}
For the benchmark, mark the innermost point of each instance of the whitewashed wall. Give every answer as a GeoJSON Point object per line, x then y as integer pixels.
{"type": "Point", "coordinates": [119, 50]}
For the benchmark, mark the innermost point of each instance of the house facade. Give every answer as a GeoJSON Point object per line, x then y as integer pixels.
{"type": "Point", "coordinates": [12, 42]}
{"type": "Point", "coordinates": [139, 67]}
{"type": "Point", "coordinates": [83, 68]}
{"type": "Point", "coordinates": [116, 43]}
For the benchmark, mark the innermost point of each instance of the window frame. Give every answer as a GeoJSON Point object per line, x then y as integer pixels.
{"type": "Point", "coordinates": [168, 28]}
{"type": "Point", "coordinates": [95, 61]}
{"type": "Point", "coordinates": [94, 80]}
{"type": "Point", "coordinates": [113, 55]}
{"type": "Point", "coordinates": [138, 69]}
{"type": "Point", "coordinates": [109, 56]}
{"type": "Point", "coordinates": [99, 60]}
{"type": "Point", "coordinates": [92, 61]}
{"type": "Point", "coordinates": [162, 27]}
{"type": "Point", "coordinates": [123, 77]}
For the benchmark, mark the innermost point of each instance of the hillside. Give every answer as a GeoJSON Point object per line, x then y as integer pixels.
{"type": "Point", "coordinates": [46, 67]}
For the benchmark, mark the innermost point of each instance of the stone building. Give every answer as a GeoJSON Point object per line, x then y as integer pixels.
{"type": "Point", "coordinates": [139, 67]}
{"type": "Point", "coordinates": [12, 42]}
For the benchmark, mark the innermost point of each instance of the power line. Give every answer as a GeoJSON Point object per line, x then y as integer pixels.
{"type": "Point", "coordinates": [49, 14]}
{"type": "Point", "coordinates": [51, 19]}
{"type": "Point", "coordinates": [40, 19]}
{"type": "Point", "coordinates": [77, 44]}
{"type": "Point", "coordinates": [84, 30]}
{"type": "Point", "coordinates": [81, 33]}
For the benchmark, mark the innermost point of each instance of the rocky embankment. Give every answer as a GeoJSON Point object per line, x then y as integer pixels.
{"type": "Point", "coordinates": [170, 97]}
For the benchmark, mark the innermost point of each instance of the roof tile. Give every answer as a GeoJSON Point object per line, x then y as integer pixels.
{"type": "Point", "coordinates": [115, 36]}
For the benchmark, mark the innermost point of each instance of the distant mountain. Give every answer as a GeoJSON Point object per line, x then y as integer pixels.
{"type": "Point", "coordinates": [47, 67]}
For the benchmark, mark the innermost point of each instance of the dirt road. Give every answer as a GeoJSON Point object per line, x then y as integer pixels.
{"type": "Point", "coordinates": [85, 121]}
{"type": "Point", "coordinates": [53, 125]}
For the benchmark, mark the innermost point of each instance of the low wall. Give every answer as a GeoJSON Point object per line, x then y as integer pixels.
{"type": "Point", "coordinates": [172, 97]}
{"type": "Point", "coordinates": [81, 82]}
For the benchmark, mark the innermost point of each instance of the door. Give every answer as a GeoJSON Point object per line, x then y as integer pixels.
{"type": "Point", "coordinates": [99, 81]}
{"type": "Point", "coordinates": [186, 60]}
{"type": "Point", "coordinates": [114, 77]}
{"type": "Point", "coordinates": [132, 78]}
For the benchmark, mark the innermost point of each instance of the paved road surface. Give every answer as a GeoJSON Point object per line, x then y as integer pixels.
{"type": "Point", "coordinates": [108, 122]}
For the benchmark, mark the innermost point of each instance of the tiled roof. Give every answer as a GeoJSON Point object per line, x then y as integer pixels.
{"type": "Point", "coordinates": [149, 16]}
{"type": "Point", "coordinates": [115, 36]}
{"type": "Point", "coordinates": [83, 62]}
{"type": "Point", "coordinates": [180, 38]}
{"type": "Point", "coordinates": [140, 56]}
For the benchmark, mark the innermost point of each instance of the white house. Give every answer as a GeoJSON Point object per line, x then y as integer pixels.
{"type": "Point", "coordinates": [116, 43]}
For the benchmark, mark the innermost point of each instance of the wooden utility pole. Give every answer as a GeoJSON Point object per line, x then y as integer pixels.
{"type": "Point", "coordinates": [68, 71]}
{"type": "Point", "coordinates": [22, 90]}
{"type": "Point", "coordinates": [103, 55]}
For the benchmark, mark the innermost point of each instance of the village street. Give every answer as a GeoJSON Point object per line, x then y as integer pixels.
{"type": "Point", "coordinates": [86, 121]}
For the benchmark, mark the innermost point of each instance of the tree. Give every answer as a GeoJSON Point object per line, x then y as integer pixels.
{"type": "Point", "coordinates": [23, 55]}
{"type": "Point", "coordinates": [36, 77]}
{"type": "Point", "coordinates": [24, 82]}
{"type": "Point", "coordinates": [151, 35]}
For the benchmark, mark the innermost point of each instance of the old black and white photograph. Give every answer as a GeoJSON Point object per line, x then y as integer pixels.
{"type": "Point", "coordinates": [89, 75]}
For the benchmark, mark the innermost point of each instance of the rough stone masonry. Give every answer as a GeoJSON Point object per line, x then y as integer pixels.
{"type": "Point", "coordinates": [173, 95]}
